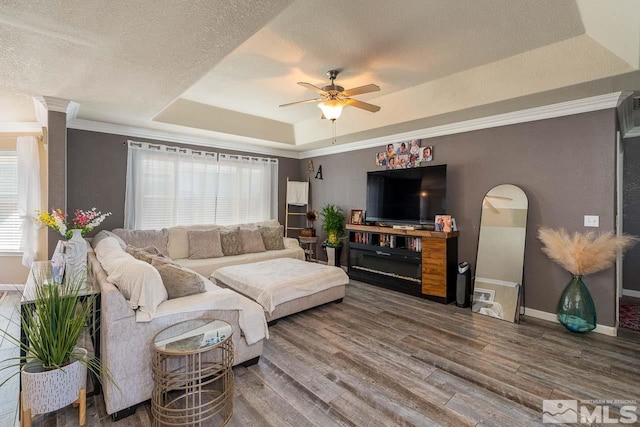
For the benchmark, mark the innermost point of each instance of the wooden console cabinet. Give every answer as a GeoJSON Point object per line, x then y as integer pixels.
{"type": "Point", "coordinates": [417, 262]}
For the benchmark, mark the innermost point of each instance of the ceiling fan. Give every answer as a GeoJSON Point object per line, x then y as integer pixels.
{"type": "Point", "coordinates": [333, 97]}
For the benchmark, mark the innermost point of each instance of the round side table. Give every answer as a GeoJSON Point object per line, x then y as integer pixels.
{"type": "Point", "coordinates": [311, 242]}
{"type": "Point", "coordinates": [192, 375]}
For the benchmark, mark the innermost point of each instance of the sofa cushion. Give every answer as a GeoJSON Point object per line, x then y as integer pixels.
{"type": "Point", "coordinates": [179, 281]}
{"type": "Point", "coordinates": [251, 241]}
{"type": "Point", "coordinates": [204, 244]}
{"type": "Point", "coordinates": [208, 266]}
{"type": "Point", "coordinates": [230, 240]}
{"type": "Point", "coordinates": [273, 237]}
{"type": "Point", "coordinates": [103, 234]}
{"type": "Point", "coordinates": [144, 238]}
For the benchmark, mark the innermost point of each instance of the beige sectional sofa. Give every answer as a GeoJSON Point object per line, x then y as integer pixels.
{"type": "Point", "coordinates": [177, 248]}
{"type": "Point", "coordinates": [127, 334]}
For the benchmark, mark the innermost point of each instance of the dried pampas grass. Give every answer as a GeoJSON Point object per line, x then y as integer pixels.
{"type": "Point", "coordinates": [583, 253]}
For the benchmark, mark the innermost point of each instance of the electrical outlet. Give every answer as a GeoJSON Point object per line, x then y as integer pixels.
{"type": "Point", "coordinates": [591, 221]}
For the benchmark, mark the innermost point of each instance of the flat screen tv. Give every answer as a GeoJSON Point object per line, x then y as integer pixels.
{"type": "Point", "coordinates": [407, 196]}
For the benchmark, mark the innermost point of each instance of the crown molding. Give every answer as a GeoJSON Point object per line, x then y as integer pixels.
{"type": "Point", "coordinates": [561, 109]}
{"type": "Point", "coordinates": [44, 104]}
{"type": "Point", "coordinates": [20, 127]}
{"type": "Point", "coordinates": [133, 131]}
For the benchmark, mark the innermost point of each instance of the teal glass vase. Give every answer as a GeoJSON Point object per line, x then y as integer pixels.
{"type": "Point", "coordinates": [576, 310]}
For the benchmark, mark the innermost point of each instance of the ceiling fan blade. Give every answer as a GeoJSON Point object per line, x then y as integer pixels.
{"type": "Point", "coordinates": [301, 102]}
{"type": "Point", "coordinates": [363, 105]}
{"type": "Point", "coordinates": [361, 89]}
{"type": "Point", "coordinates": [313, 88]}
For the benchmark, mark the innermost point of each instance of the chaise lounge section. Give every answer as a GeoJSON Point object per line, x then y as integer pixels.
{"type": "Point", "coordinates": [125, 341]}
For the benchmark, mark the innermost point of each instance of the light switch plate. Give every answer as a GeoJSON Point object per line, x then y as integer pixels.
{"type": "Point", "coordinates": [591, 221]}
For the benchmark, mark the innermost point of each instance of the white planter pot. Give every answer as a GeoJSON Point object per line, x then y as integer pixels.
{"type": "Point", "coordinates": [47, 391]}
{"type": "Point", "coordinates": [331, 256]}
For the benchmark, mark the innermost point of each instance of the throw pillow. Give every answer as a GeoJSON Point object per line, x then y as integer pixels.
{"type": "Point", "coordinates": [149, 254]}
{"type": "Point", "coordinates": [144, 238]}
{"type": "Point", "coordinates": [204, 244]}
{"type": "Point", "coordinates": [273, 237]}
{"type": "Point", "coordinates": [251, 241]}
{"type": "Point", "coordinates": [179, 281]}
{"type": "Point", "coordinates": [230, 241]}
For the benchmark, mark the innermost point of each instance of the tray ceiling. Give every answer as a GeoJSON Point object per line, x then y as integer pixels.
{"type": "Point", "coordinates": [221, 68]}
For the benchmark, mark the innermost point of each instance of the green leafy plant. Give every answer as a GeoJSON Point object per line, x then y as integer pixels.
{"type": "Point", "coordinates": [334, 221]}
{"type": "Point", "coordinates": [53, 325]}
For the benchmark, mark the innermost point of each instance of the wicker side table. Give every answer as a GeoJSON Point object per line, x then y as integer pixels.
{"type": "Point", "coordinates": [192, 375]}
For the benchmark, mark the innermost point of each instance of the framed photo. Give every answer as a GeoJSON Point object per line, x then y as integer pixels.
{"type": "Point", "coordinates": [483, 295]}
{"type": "Point", "coordinates": [357, 216]}
{"type": "Point", "coordinates": [381, 159]}
{"type": "Point", "coordinates": [443, 223]}
{"type": "Point", "coordinates": [426, 153]}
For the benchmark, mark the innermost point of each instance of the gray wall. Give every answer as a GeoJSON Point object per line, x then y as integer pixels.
{"type": "Point", "coordinates": [57, 160]}
{"type": "Point", "coordinates": [631, 212]}
{"type": "Point", "coordinates": [97, 169]}
{"type": "Point", "coordinates": [566, 166]}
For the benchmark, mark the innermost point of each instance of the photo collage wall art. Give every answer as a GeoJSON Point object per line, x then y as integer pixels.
{"type": "Point", "coordinates": [403, 155]}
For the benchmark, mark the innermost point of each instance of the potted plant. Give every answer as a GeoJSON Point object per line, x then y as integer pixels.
{"type": "Point", "coordinates": [333, 224]}
{"type": "Point", "coordinates": [54, 372]}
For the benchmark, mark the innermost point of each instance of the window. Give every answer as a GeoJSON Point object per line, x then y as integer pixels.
{"type": "Point", "coordinates": [169, 186]}
{"type": "Point", "coordinates": [10, 222]}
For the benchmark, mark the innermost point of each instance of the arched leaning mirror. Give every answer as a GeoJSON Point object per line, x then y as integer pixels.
{"type": "Point", "coordinates": [499, 264]}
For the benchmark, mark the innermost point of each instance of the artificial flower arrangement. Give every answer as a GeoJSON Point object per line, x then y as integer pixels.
{"type": "Point", "coordinates": [83, 220]}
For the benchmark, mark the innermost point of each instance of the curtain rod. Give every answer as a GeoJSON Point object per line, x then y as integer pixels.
{"type": "Point", "coordinates": [199, 152]}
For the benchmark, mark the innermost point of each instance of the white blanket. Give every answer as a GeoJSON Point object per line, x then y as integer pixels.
{"type": "Point", "coordinates": [298, 193]}
{"type": "Point", "coordinates": [251, 316]}
{"type": "Point", "coordinates": [271, 283]}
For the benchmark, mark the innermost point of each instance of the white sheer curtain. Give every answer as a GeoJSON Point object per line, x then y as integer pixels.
{"type": "Point", "coordinates": [247, 189]}
{"type": "Point", "coordinates": [28, 195]}
{"type": "Point", "coordinates": [169, 186]}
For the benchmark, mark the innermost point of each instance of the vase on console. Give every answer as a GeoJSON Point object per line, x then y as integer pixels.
{"type": "Point", "coordinates": [74, 259]}
{"type": "Point", "coordinates": [76, 256]}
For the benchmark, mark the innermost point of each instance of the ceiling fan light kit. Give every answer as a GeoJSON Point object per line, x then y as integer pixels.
{"type": "Point", "coordinates": [332, 109]}
{"type": "Point", "coordinates": [334, 98]}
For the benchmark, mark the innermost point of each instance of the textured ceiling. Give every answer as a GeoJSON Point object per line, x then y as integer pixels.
{"type": "Point", "coordinates": [221, 68]}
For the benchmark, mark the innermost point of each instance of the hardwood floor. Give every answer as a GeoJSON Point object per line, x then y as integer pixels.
{"type": "Point", "coordinates": [382, 358]}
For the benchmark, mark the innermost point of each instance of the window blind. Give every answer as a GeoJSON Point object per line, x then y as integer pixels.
{"type": "Point", "coordinates": [168, 186]}
{"type": "Point", "coordinates": [10, 222]}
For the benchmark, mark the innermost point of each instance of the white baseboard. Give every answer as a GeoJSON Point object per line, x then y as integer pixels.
{"type": "Point", "coordinates": [10, 287]}
{"type": "Point", "coordinates": [631, 293]}
{"type": "Point", "coordinates": [551, 317]}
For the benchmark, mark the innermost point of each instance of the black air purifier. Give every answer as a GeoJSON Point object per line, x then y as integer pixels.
{"type": "Point", "coordinates": [463, 285]}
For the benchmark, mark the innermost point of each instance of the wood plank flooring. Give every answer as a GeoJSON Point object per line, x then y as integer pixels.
{"type": "Point", "coordinates": [382, 358]}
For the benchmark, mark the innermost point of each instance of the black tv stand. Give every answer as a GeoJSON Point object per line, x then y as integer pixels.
{"type": "Point", "coordinates": [416, 262]}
